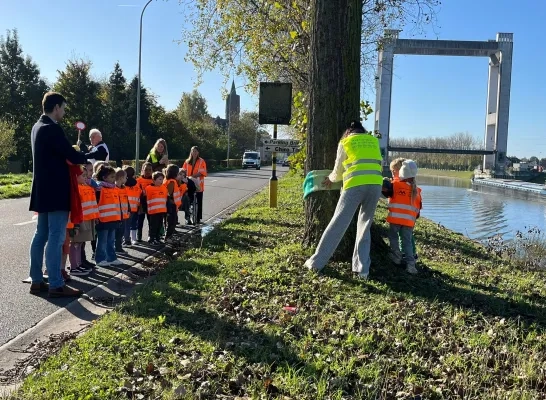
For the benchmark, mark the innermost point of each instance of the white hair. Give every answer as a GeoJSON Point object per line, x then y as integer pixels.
{"type": "Point", "coordinates": [95, 131]}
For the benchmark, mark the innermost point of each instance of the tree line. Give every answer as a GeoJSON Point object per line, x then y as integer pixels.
{"type": "Point", "coordinates": [461, 162]}
{"type": "Point", "coordinates": [109, 105]}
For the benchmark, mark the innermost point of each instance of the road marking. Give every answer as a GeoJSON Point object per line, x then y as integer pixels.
{"type": "Point", "coordinates": [26, 223]}
{"type": "Point", "coordinates": [216, 180]}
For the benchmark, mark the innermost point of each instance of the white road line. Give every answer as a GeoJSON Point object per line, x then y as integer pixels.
{"type": "Point", "coordinates": [26, 223]}
{"type": "Point", "coordinates": [216, 180]}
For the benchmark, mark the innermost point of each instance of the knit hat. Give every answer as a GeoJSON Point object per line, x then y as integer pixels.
{"type": "Point", "coordinates": [408, 170]}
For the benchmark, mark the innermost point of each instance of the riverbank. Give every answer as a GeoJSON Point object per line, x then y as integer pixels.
{"type": "Point", "coordinates": [240, 316]}
{"type": "Point", "coordinates": [15, 185]}
{"type": "Point", "coordinates": [446, 173]}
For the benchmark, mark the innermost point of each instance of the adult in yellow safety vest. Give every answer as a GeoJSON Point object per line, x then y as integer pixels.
{"type": "Point", "coordinates": [196, 169]}
{"type": "Point", "coordinates": [358, 164]}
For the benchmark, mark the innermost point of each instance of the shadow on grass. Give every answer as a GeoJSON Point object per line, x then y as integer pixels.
{"type": "Point", "coordinates": [184, 309]}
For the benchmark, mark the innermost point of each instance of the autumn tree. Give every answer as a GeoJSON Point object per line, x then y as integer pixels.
{"type": "Point", "coordinates": [82, 92]}
{"type": "Point", "coordinates": [21, 92]}
{"type": "Point", "coordinates": [8, 145]}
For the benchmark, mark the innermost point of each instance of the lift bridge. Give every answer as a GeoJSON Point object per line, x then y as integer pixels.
{"type": "Point", "coordinates": [399, 149]}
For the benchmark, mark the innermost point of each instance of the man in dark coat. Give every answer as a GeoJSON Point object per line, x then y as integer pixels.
{"type": "Point", "coordinates": [50, 196]}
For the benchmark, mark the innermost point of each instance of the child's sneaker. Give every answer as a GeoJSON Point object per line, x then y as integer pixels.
{"type": "Point", "coordinates": [116, 262]}
{"type": "Point", "coordinates": [103, 264]}
{"type": "Point", "coordinates": [410, 269]}
{"type": "Point", "coordinates": [134, 242]}
{"type": "Point", "coordinates": [79, 271]}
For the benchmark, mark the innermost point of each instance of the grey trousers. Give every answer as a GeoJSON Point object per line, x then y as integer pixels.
{"type": "Point", "coordinates": [365, 196]}
{"type": "Point", "coordinates": [406, 234]}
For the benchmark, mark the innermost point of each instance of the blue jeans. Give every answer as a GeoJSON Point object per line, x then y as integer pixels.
{"type": "Point", "coordinates": [51, 229]}
{"type": "Point", "coordinates": [106, 245]}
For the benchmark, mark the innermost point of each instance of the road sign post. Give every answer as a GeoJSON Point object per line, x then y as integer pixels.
{"type": "Point", "coordinates": [275, 107]}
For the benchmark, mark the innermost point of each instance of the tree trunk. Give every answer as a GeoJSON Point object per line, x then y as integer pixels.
{"type": "Point", "coordinates": [334, 98]}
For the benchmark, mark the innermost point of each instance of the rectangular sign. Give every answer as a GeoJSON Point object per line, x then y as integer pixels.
{"type": "Point", "coordinates": [275, 104]}
{"type": "Point", "coordinates": [281, 149]}
{"type": "Point", "coordinates": [281, 142]}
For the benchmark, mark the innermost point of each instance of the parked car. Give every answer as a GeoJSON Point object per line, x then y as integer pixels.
{"type": "Point", "coordinates": [286, 163]}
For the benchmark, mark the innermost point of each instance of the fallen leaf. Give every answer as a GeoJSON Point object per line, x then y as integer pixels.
{"type": "Point", "coordinates": [150, 368]}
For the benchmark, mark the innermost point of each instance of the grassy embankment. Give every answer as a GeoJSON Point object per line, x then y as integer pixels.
{"type": "Point", "coordinates": [213, 323]}
{"type": "Point", "coordinates": [15, 185]}
{"type": "Point", "coordinates": [446, 173]}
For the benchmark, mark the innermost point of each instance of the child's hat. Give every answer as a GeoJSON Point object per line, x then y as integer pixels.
{"type": "Point", "coordinates": [408, 170]}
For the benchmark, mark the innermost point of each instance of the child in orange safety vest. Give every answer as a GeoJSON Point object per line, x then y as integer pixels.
{"type": "Point", "coordinates": [405, 203]}
{"type": "Point", "coordinates": [86, 230]}
{"type": "Point", "coordinates": [133, 192]}
{"type": "Point", "coordinates": [121, 179]}
{"type": "Point", "coordinates": [174, 199]}
{"type": "Point", "coordinates": [110, 217]}
{"type": "Point", "coordinates": [395, 166]}
{"type": "Point", "coordinates": [156, 203]}
{"type": "Point", "coordinates": [144, 180]}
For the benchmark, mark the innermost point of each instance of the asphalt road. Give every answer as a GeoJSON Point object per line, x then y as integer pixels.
{"type": "Point", "coordinates": [20, 310]}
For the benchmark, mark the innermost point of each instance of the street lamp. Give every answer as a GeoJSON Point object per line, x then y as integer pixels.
{"type": "Point", "coordinates": [137, 150]}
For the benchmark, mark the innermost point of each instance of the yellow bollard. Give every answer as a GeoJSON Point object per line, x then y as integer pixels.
{"type": "Point", "coordinates": [273, 192]}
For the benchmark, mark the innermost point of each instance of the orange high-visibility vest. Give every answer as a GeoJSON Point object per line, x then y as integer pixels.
{"type": "Point", "coordinates": [124, 203]}
{"type": "Point", "coordinates": [200, 166]}
{"type": "Point", "coordinates": [177, 197]}
{"type": "Point", "coordinates": [133, 193]}
{"type": "Point", "coordinates": [156, 199]}
{"type": "Point", "coordinates": [144, 183]}
{"type": "Point", "coordinates": [90, 208]}
{"type": "Point", "coordinates": [109, 207]}
{"type": "Point", "coordinates": [402, 209]}
{"type": "Point", "coordinates": [183, 188]}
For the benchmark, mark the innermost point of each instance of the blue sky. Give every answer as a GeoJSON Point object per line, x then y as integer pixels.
{"type": "Point", "coordinates": [432, 96]}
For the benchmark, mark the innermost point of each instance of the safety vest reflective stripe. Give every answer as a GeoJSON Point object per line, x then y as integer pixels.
{"type": "Point", "coordinates": [363, 164]}
{"type": "Point", "coordinates": [124, 202]}
{"type": "Point", "coordinates": [109, 205]}
{"type": "Point", "coordinates": [133, 195]}
{"type": "Point", "coordinates": [403, 207]}
{"type": "Point", "coordinates": [402, 216]}
{"type": "Point", "coordinates": [156, 199]}
{"type": "Point", "coordinates": [360, 173]}
{"type": "Point", "coordinates": [90, 209]}
{"type": "Point", "coordinates": [363, 161]}
{"type": "Point", "coordinates": [177, 197]}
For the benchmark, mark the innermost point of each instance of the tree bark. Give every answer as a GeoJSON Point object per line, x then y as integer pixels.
{"type": "Point", "coordinates": [334, 98]}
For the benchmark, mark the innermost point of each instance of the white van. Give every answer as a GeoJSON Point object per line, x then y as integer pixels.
{"type": "Point", "coordinates": [251, 159]}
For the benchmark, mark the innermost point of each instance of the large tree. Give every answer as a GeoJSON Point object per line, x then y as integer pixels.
{"type": "Point", "coordinates": [117, 126]}
{"type": "Point", "coordinates": [334, 97]}
{"type": "Point", "coordinates": [82, 95]}
{"type": "Point", "coordinates": [21, 92]}
{"type": "Point", "coordinates": [192, 108]}
{"type": "Point", "coordinates": [146, 128]}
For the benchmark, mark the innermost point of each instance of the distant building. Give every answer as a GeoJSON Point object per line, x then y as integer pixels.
{"type": "Point", "coordinates": [233, 104]}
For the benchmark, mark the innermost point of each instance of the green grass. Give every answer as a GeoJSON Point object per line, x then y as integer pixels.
{"type": "Point", "coordinates": [212, 323]}
{"type": "Point", "coordinates": [15, 185]}
{"type": "Point", "coordinates": [446, 173]}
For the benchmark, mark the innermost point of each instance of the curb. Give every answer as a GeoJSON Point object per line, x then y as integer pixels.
{"type": "Point", "coordinates": [79, 314]}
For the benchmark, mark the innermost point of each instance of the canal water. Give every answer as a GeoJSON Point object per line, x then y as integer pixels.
{"type": "Point", "coordinates": [452, 203]}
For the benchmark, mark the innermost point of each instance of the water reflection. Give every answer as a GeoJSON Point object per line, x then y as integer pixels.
{"type": "Point", "coordinates": [451, 202]}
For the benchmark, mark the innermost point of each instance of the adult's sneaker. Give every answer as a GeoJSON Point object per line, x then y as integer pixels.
{"type": "Point", "coordinates": [103, 264]}
{"type": "Point", "coordinates": [116, 262]}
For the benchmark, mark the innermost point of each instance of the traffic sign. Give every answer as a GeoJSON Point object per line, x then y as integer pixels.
{"type": "Point", "coordinates": [281, 149]}
{"type": "Point", "coordinates": [282, 142]}
{"type": "Point", "coordinates": [80, 126]}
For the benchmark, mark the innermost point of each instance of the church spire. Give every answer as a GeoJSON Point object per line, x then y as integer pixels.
{"type": "Point", "coordinates": [233, 91]}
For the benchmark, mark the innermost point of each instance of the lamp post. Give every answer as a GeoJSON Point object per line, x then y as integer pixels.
{"type": "Point", "coordinates": [137, 150]}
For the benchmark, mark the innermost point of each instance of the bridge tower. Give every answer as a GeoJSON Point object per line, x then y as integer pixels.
{"type": "Point", "coordinates": [498, 51]}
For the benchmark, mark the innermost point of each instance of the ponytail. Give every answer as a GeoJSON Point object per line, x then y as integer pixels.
{"type": "Point", "coordinates": [413, 189]}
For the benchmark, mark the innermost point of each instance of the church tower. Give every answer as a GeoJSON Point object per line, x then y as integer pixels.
{"type": "Point", "coordinates": [233, 104]}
